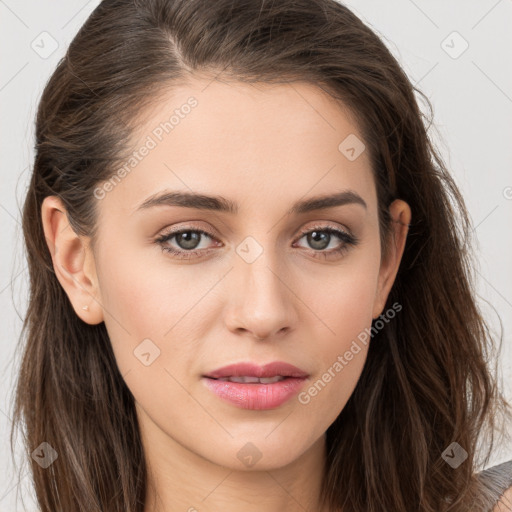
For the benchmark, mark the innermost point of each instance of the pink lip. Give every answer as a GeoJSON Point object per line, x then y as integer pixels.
{"type": "Point", "coordinates": [254, 370]}
{"type": "Point", "coordinates": [256, 396]}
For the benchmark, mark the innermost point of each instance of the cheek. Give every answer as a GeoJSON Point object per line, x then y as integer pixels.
{"type": "Point", "coordinates": [135, 301]}
{"type": "Point", "coordinates": [145, 297]}
{"type": "Point", "coordinates": [345, 309]}
{"type": "Point", "coordinates": [342, 356]}
{"type": "Point", "coordinates": [344, 298]}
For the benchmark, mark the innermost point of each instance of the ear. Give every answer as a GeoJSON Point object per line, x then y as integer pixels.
{"type": "Point", "coordinates": [401, 218]}
{"type": "Point", "coordinates": [73, 261]}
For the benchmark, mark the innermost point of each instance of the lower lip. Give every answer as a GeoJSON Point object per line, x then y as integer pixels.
{"type": "Point", "coordinates": [256, 396]}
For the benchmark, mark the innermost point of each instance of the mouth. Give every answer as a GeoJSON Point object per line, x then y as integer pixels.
{"type": "Point", "coordinates": [249, 386]}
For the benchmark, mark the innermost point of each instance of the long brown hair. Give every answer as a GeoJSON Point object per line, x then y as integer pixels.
{"type": "Point", "coordinates": [426, 382]}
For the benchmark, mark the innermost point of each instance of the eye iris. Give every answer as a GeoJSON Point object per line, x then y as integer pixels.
{"type": "Point", "coordinates": [322, 236]}
{"type": "Point", "coordinates": [191, 242]}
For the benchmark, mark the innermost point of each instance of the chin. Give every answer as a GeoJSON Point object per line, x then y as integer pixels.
{"type": "Point", "coordinates": [255, 453]}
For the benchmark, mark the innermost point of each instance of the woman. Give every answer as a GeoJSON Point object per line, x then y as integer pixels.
{"type": "Point", "coordinates": [250, 274]}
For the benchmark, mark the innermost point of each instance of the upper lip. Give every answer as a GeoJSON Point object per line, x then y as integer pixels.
{"type": "Point", "coordinates": [254, 370]}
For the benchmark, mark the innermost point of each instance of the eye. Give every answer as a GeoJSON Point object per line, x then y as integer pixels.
{"type": "Point", "coordinates": [318, 237]}
{"type": "Point", "coordinates": [187, 239]}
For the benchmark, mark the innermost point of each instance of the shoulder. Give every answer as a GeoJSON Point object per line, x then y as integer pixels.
{"type": "Point", "coordinates": [497, 483]}
{"type": "Point", "coordinates": [505, 502]}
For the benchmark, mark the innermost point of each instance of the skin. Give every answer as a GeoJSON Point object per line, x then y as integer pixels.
{"type": "Point", "coordinates": [505, 502]}
{"type": "Point", "coordinates": [265, 147]}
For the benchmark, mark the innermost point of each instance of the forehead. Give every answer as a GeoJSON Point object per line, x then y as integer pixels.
{"type": "Point", "coordinates": [251, 142]}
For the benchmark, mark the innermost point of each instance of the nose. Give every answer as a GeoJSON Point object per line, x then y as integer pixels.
{"type": "Point", "coordinates": [261, 299]}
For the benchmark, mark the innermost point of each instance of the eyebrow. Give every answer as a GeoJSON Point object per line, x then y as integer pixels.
{"type": "Point", "coordinates": [221, 204]}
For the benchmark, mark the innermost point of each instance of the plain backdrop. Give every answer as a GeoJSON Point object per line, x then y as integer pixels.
{"type": "Point", "coordinates": [458, 53]}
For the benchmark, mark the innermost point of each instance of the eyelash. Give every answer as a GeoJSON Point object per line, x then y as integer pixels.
{"type": "Point", "coordinates": [348, 239]}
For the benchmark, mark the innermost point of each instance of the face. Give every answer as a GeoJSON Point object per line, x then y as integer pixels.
{"type": "Point", "coordinates": [185, 290]}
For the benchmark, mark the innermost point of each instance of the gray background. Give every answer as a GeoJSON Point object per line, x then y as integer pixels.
{"type": "Point", "coordinates": [471, 92]}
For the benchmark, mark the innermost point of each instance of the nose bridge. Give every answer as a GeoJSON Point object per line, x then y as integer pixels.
{"type": "Point", "coordinates": [261, 301]}
{"type": "Point", "coordinates": [259, 265]}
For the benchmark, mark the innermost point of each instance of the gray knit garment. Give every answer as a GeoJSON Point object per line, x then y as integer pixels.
{"type": "Point", "coordinates": [496, 480]}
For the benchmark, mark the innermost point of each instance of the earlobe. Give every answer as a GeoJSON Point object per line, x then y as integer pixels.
{"type": "Point", "coordinates": [400, 219]}
{"type": "Point", "coordinates": [73, 261]}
